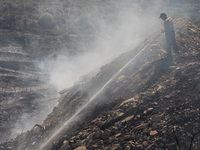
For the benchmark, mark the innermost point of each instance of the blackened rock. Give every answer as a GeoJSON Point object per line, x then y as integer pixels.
{"type": "Point", "coordinates": [65, 146]}
{"type": "Point", "coordinates": [105, 135]}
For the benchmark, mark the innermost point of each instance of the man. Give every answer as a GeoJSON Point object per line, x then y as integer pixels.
{"type": "Point", "coordinates": [169, 35]}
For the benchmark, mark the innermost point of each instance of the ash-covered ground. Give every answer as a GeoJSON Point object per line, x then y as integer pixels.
{"type": "Point", "coordinates": [151, 104]}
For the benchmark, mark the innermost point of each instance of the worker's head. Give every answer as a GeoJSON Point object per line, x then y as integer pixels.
{"type": "Point", "coordinates": [163, 16]}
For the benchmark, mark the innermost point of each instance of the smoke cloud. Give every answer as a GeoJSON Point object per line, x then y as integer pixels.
{"type": "Point", "coordinates": [116, 33]}
{"type": "Point", "coordinates": [117, 30]}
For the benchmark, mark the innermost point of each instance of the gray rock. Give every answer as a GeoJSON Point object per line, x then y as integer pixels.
{"type": "Point", "coordinates": [156, 118]}
{"type": "Point", "coordinates": [98, 133]}
{"type": "Point", "coordinates": [106, 134]}
{"type": "Point", "coordinates": [65, 146]}
{"type": "Point", "coordinates": [117, 147]}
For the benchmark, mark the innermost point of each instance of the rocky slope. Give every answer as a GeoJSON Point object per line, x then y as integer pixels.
{"type": "Point", "coordinates": [25, 41]}
{"type": "Point", "coordinates": [150, 104]}
{"type": "Point", "coordinates": [135, 97]}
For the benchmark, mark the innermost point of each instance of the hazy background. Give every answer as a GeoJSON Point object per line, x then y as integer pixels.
{"type": "Point", "coordinates": [127, 25]}
{"type": "Point", "coordinates": [92, 33]}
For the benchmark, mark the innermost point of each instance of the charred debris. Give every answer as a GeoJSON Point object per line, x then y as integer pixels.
{"type": "Point", "coordinates": [149, 105]}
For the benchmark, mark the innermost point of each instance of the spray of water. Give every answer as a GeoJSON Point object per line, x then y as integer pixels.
{"type": "Point", "coordinates": [93, 97]}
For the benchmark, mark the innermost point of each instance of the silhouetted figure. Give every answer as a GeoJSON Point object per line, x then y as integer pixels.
{"type": "Point", "coordinates": [169, 35]}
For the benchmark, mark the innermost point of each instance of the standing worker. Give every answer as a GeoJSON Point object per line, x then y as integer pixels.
{"type": "Point", "coordinates": [169, 35]}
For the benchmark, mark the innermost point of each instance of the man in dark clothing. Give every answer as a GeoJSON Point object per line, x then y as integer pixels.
{"type": "Point", "coordinates": [169, 35]}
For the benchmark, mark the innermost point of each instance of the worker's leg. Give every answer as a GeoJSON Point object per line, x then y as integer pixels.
{"type": "Point", "coordinates": [169, 48]}
{"type": "Point", "coordinates": [175, 48]}
{"type": "Point", "coordinates": [173, 41]}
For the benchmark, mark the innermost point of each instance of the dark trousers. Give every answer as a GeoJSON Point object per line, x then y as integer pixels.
{"type": "Point", "coordinates": [171, 43]}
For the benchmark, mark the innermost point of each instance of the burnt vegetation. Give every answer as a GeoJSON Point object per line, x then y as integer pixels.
{"type": "Point", "coordinates": [149, 105]}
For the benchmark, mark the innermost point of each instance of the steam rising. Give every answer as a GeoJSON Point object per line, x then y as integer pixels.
{"type": "Point", "coordinates": [114, 33]}
{"type": "Point", "coordinates": [128, 28]}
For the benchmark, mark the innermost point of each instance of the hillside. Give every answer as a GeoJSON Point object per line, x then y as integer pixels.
{"type": "Point", "coordinates": [147, 104]}
{"type": "Point", "coordinates": [70, 25]}
{"type": "Point", "coordinates": [150, 104]}
{"type": "Point", "coordinates": [33, 31]}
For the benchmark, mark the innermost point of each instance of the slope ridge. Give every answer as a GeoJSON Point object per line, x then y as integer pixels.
{"type": "Point", "coordinates": [151, 105]}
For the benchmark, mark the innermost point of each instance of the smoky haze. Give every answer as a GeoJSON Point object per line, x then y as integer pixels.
{"type": "Point", "coordinates": [115, 33]}
{"type": "Point", "coordinates": [120, 31]}
{"type": "Point", "coordinates": [116, 26]}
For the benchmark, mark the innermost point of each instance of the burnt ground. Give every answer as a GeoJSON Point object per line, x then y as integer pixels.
{"type": "Point", "coordinates": [151, 104]}
{"type": "Point", "coordinates": [23, 91]}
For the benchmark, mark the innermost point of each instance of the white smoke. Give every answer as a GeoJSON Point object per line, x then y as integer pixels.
{"type": "Point", "coordinates": [129, 24]}
{"type": "Point", "coordinates": [129, 27]}
{"type": "Point", "coordinates": [117, 32]}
